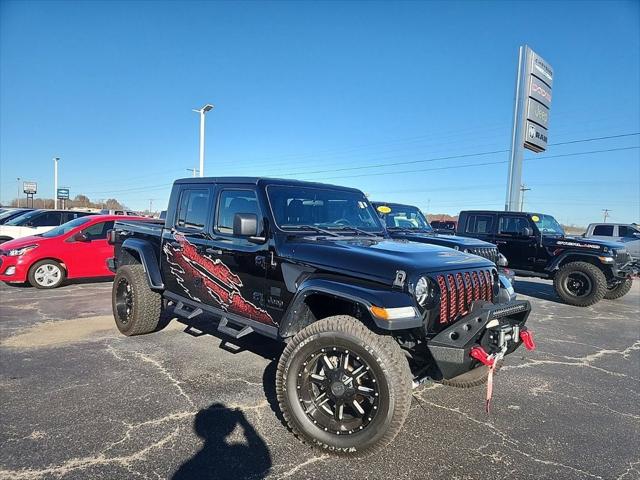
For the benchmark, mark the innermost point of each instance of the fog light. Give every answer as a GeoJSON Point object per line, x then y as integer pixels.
{"type": "Point", "coordinates": [10, 271]}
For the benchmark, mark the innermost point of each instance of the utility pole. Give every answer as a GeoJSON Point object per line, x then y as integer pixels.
{"type": "Point", "coordinates": [18, 194]}
{"type": "Point", "coordinates": [202, 111]}
{"type": "Point", "coordinates": [150, 205]}
{"type": "Point", "coordinates": [605, 212]}
{"type": "Point", "coordinates": [523, 188]}
{"type": "Point", "coordinates": [55, 182]}
{"type": "Point", "coordinates": [193, 171]}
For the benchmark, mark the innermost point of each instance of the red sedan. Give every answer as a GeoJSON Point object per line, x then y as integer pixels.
{"type": "Point", "coordinates": [76, 249]}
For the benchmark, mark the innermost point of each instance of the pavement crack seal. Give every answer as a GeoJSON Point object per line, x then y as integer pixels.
{"type": "Point", "coordinates": [507, 441]}
{"type": "Point", "coordinates": [302, 465]}
{"type": "Point", "coordinates": [161, 368]}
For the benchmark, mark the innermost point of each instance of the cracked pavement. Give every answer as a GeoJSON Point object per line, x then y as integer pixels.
{"type": "Point", "coordinates": [81, 401]}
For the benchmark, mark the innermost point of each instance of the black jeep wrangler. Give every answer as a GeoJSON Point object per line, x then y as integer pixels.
{"type": "Point", "coordinates": [584, 271]}
{"type": "Point", "coordinates": [408, 223]}
{"type": "Point", "coordinates": [364, 317]}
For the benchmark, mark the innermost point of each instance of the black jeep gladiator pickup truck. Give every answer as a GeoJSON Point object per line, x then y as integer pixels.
{"type": "Point", "coordinates": [584, 271]}
{"type": "Point", "coordinates": [364, 317]}
{"type": "Point", "coordinates": [407, 222]}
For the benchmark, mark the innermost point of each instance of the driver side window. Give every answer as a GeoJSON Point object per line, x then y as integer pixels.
{"type": "Point", "coordinates": [513, 225]}
{"type": "Point", "coordinates": [98, 231]}
{"type": "Point", "coordinates": [236, 201]}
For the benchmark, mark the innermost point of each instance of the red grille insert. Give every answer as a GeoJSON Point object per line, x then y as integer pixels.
{"type": "Point", "coordinates": [459, 290]}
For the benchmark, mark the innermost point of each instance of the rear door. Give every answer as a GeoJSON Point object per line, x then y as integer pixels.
{"type": "Point", "coordinates": [185, 244]}
{"type": "Point", "coordinates": [480, 226]}
{"type": "Point", "coordinates": [515, 243]}
{"type": "Point", "coordinates": [604, 232]}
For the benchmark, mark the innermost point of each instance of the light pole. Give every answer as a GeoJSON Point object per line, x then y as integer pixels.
{"type": "Point", "coordinates": [55, 182]}
{"type": "Point", "coordinates": [605, 213]}
{"type": "Point", "coordinates": [18, 194]}
{"type": "Point", "coordinates": [193, 171]}
{"type": "Point", "coordinates": [202, 111]}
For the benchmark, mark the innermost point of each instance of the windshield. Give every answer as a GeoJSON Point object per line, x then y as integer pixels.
{"type": "Point", "coordinates": [403, 217]}
{"type": "Point", "coordinates": [20, 219]}
{"type": "Point", "coordinates": [66, 227]}
{"type": "Point", "coordinates": [9, 213]}
{"type": "Point", "coordinates": [297, 207]}
{"type": "Point", "coordinates": [547, 225]}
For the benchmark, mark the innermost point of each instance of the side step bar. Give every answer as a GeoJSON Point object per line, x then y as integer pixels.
{"type": "Point", "coordinates": [224, 327]}
{"type": "Point", "coordinates": [186, 313]}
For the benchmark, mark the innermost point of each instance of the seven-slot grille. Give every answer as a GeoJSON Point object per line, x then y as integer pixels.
{"type": "Point", "coordinates": [459, 290]}
{"type": "Point", "coordinates": [622, 258]}
{"type": "Point", "coordinates": [490, 253]}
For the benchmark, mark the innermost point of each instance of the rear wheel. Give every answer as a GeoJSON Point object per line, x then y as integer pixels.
{"type": "Point", "coordinates": [619, 290]}
{"type": "Point", "coordinates": [136, 308]}
{"type": "Point", "coordinates": [46, 274]}
{"type": "Point", "coordinates": [342, 387]}
{"type": "Point", "coordinates": [580, 283]}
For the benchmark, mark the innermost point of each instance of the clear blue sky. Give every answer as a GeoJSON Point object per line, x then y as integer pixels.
{"type": "Point", "coordinates": [320, 87]}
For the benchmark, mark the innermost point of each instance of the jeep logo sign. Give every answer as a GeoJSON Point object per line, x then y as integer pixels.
{"type": "Point", "coordinates": [538, 79]}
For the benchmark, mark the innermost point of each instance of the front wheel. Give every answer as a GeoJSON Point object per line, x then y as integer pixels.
{"type": "Point", "coordinates": [136, 308]}
{"type": "Point", "coordinates": [580, 284]}
{"type": "Point", "coordinates": [619, 290]}
{"type": "Point", "coordinates": [342, 387]}
{"type": "Point", "coordinates": [46, 274]}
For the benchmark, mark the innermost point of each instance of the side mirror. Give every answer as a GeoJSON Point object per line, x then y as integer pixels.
{"type": "Point", "coordinates": [527, 232]}
{"type": "Point", "coordinates": [81, 237]}
{"type": "Point", "coordinates": [245, 225]}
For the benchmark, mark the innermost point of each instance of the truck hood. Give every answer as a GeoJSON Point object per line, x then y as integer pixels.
{"type": "Point", "coordinates": [378, 258]}
{"type": "Point", "coordinates": [444, 240]}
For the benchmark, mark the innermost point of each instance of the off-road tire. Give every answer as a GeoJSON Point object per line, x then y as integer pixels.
{"type": "Point", "coordinates": [146, 305]}
{"type": "Point", "coordinates": [386, 360]}
{"type": "Point", "coordinates": [471, 379]}
{"type": "Point", "coordinates": [44, 263]}
{"type": "Point", "coordinates": [620, 290]}
{"type": "Point", "coordinates": [596, 277]}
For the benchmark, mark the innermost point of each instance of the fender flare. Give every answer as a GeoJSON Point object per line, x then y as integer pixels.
{"type": "Point", "coordinates": [147, 255]}
{"type": "Point", "coordinates": [554, 265]}
{"type": "Point", "coordinates": [357, 293]}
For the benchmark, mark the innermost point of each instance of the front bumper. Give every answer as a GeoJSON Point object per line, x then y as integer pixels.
{"type": "Point", "coordinates": [13, 269]}
{"type": "Point", "coordinates": [451, 348]}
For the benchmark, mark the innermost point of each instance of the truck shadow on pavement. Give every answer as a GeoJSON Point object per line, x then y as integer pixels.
{"type": "Point", "coordinates": [223, 456]}
{"type": "Point", "coordinates": [543, 291]}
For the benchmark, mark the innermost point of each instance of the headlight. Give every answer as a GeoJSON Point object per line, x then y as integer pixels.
{"type": "Point", "coordinates": [16, 252]}
{"type": "Point", "coordinates": [422, 291]}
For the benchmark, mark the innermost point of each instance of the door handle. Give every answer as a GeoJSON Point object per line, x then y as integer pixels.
{"type": "Point", "coordinates": [214, 251]}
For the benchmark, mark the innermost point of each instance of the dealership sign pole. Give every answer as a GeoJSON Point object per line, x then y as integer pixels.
{"type": "Point", "coordinates": [530, 117]}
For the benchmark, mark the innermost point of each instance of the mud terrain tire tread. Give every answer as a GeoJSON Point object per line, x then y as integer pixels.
{"type": "Point", "coordinates": [619, 290]}
{"type": "Point", "coordinates": [391, 361]}
{"type": "Point", "coordinates": [147, 304]}
{"type": "Point", "coordinates": [599, 281]}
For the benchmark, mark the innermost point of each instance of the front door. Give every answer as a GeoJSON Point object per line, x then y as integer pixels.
{"type": "Point", "coordinates": [517, 241]}
{"type": "Point", "coordinates": [89, 257]}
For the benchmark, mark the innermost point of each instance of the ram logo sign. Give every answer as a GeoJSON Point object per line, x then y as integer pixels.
{"type": "Point", "coordinates": [538, 78]}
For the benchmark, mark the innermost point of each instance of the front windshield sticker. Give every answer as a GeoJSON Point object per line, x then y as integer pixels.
{"type": "Point", "coordinates": [535, 218]}
{"type": "Point", "coordinates": [384, 209]}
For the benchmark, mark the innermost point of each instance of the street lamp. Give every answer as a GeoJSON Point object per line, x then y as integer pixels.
{"type": "Point", "coordinates": [193, 171]}
{"type": "Point", "coordinates": [202, 111]}
{"type": "Point", "coordinates": [18, 194]}
{"type": "Point", "coordinates": [55, 182]}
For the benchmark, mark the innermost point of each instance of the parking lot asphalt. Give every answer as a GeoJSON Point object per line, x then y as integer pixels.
{"type": "Point", "coordinates": [81, 401]}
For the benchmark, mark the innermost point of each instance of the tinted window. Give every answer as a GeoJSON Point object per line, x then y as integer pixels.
{"type": "Point", "coordinates": [232, 202]}
{"type": "Point", "coordinates": [98, 231]}
{"type": "Point", "coordinates": [513, 225]}
{"type": "Point", "coordinates": [65, 227]}
{"type": "Point", "coordinates": [603, 230]}
{"type": "Point", "coordinates": [193, 209]}
{"type": "Point", "coordinates": [329, 208]}
{"type": "Point", "coordinates": [48, 219]}
{"type": "Point", "coordinates": [479, 224]}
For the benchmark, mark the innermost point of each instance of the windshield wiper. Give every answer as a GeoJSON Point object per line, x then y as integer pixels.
{"type": "Point", "coordinates": [311, 227]}
{"type": "Point", "coordinates": [354, 229]}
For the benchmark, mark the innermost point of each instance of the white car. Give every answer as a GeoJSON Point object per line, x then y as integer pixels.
{"type": "Point", "coordinates": [35, 222]}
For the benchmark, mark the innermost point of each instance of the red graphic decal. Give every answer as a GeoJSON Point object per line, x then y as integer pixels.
{"type": "Point", "coordinates": [218, 281]}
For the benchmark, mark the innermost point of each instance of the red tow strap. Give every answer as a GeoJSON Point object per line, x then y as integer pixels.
{"type": "Point", "coordinates": [481, 355]}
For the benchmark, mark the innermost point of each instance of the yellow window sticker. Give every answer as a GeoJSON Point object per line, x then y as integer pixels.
{"type": "Point", "coordinates": [384, 209]}
{"type": "Point", "coordinates": [535, 218]}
